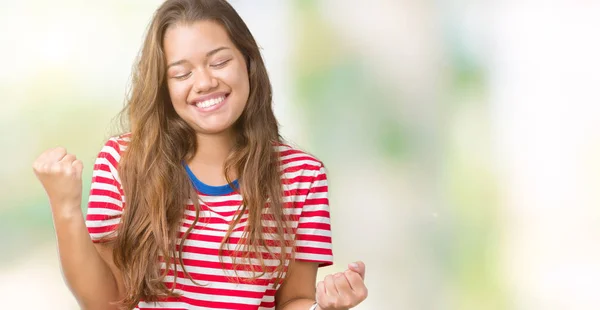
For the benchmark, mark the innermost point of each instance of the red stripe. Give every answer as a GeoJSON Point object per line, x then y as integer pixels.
{"type": "Point", "coordinates": [101, 217]}
{"type": "Point", "coordinates": [317, 201]}
{"type": "Point", "coordinates": [102, 229]}
{"type": "Point", "coordinates": [312, 250]}
{"type": "Point", "coordinates": [102, 205]}
{"type": "Point", "coordinates": [106, 193]}
{"type": "Point", "coordinates": [301, 167]}
{"type": "Point", "coordinates": [298, 158]}
{"type": "Point", "coordinates": [214, 291]}
{"type": "Point", "coordinates": [317, 238]}
{"type": "Point", "coordinates": [322, 226]}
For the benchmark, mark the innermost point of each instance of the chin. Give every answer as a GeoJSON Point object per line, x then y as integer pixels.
{"type": "Point", "coordinates": [213, 130]}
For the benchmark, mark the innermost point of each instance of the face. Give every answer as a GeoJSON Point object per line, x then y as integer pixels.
{"type": "Point", "coordinates": [207, 76]}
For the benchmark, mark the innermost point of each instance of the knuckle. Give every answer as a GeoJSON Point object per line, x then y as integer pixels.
{"type": "Point", "coordinates": [58, 151]}
{"type": "Point", "coordinates": [362, 294]}
{"type": "Point", "coordinates": [347, 304]}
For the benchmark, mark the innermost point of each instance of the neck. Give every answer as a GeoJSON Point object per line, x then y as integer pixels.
{"type": "Point", "coordinates": [213, 149]}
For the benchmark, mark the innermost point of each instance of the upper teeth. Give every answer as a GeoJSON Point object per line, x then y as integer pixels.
{"type": "Point", "coordinates": [209, 102]}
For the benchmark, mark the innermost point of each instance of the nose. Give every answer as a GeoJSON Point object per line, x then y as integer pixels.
{"type": "Point", "coordinates": [204, 81]}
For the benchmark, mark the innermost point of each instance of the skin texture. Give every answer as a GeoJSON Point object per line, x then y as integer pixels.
{"type": "Point", "coordinates": [206, 63]}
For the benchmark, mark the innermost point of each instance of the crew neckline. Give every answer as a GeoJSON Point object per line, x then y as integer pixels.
{"type": "Point", "coordinates": [210, 189]}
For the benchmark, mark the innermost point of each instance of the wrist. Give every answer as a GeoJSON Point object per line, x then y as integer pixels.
{"type": "Point", "coordinates": [66, 211]}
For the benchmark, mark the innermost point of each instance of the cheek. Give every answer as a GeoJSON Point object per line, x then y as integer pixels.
{"type": "Point", "coordinates": [236, 78]}
{"type": "Point", "coordinates": [178, 93]}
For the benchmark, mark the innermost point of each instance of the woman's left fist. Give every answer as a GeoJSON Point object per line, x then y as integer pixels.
{"type": "Point", "coordinates": [343, 290]}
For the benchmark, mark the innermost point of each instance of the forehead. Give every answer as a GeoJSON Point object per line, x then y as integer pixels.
{"type": "Point", "coordinates": [183, 40]}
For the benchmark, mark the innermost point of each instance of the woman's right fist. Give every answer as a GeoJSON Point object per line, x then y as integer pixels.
{"type": "Point", "coordinates": [60, 175]}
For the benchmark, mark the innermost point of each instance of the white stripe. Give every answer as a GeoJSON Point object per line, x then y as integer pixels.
{"type": "Point", "coordinates": [294, 198]}
{"type": "Point", "coordinates": [295, 155]}
{"type": "Point", "coordinates": [297, 185]}
{"type": "Point", "coordinates": [314, 232]}
{"type": "Point", "coordinates": [215, 298]}
{"type": "Point", "coordinates": [315, 257]}
{"type": "Point", "coordinates": [316, 207]}
{"type": "Point", "coordinates": [162, 305]}
{"type": "Point", "coordinates": [106, 186]}
{"type": "Point", "coordinates": [105, 199]}
{"type": "Point", "coordinates": [227, 246]}
{"type": "Point", "coordinates": [317, 195]}
{"type": "Point", "coordinates": [114, 153]}
{"type": "Point", "coordinates": [102, 173]}
{"type": "Point", "coordinates": [104, 223]}
{"type": "Point", "coordinates": [314, 219]}
{"type": "Point", "coordinates": [229, 260]}
{"type": "Point", "coordinates": [212, 199]}
{"type": "Point", "coordinates": [319, 183]}
{"type": "Point", "coordinates": [98, 236]}
{"type": "Point", "coordinates": [218, 285]}
{"type": "Point", "coordinates": [220, 272]}
{"type": "Point", "coordinates": [313, 244]}
{"type": "Point", "coordinates": [295, 174]}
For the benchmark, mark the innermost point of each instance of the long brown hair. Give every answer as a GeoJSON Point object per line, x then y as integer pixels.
{"type": "Point", "coordinates": [155, 183]}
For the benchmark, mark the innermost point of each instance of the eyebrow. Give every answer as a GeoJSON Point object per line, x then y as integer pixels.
{"type": "Point", "coordinates": [179, 62]}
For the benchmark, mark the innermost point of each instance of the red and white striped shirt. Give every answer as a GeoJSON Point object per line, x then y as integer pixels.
{"type": "Point", "coordinates": [306, 209]}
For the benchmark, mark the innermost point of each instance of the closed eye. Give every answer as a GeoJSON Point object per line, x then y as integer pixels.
{"type": "Point", "coordinates": [182, 76]}
{"type": "Point", "coordinates": [220, 64]}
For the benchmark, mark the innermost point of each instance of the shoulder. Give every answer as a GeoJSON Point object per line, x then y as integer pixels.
{"type": "Point", "coordinates": [113, 148]}
{"type": "Point", "coordinates": [293, 159]}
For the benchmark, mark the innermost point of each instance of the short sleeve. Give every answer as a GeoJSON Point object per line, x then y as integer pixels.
{"type": "Point", "coordinates": [313, 236]}
{"type": "Point", "coordinates": [106, 200]}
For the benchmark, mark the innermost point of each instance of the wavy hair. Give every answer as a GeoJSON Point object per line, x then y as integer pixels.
{"type": "Point", "coordinates": [155, 183]}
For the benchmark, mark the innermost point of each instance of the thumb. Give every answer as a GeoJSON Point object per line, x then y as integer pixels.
{"type": "Point", "coordinates": [358, 267]}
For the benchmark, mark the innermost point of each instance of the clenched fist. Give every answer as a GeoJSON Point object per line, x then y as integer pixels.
{"type": "Point", "coordinates": [344, 290]}
{"type": "Point", "coordinates": [60, 175]}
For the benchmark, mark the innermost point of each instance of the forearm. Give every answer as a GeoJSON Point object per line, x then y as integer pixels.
{"type": "Point", "coordinates": [88, 277]}
{"type": "Point", "coordinates": [298, 304]}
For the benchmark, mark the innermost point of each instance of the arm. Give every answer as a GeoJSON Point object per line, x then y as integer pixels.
{"type": "Point", "coordinates": [86, 270]}
{"type": "Point", "coordinates": [86, 267]}
{"type": "Point", "coordinates": [298, 290]}
{"type": "Point", "coordinates": [339, 291]}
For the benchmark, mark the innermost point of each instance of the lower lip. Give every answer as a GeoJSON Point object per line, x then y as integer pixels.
{"type": "Point", "coordinates": [212, 107]}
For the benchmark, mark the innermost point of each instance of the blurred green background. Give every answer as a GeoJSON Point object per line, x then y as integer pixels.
{"type": "Point", "coordinates": [461, 138]}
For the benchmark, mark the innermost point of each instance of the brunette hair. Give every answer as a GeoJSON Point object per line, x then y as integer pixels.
{"type": "Point", "coordinates": [155, 182]}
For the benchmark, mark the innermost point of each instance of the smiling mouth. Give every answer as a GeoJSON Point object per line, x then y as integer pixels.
{"type": "Point", "coordinates": [210, 102]}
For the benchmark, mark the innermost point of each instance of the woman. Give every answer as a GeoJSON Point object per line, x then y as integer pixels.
{"type": "Point", "coordinates": [162, 231]}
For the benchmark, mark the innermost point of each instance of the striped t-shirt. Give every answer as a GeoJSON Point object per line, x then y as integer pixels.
{"type": "Point", "coordinates": [306, 207]}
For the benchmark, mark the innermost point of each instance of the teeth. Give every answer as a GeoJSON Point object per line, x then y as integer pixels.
{"type": "Point", "coordinates": [210, 102]}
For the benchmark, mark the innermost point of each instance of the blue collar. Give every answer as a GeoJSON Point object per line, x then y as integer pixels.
{"type": "Point", "coordinates": [209, 189]}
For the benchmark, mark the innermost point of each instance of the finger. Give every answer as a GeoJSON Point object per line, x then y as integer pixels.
{"type": "Point", "coordinates": [321, 294]}
{"type": "Point", "coordinates": [48, 158]}
{"type": "Point", "coordinates": [78, 166]}
{"type": "Point", "coordinates": [68, 159]}
{"type": "Point", "coordinates": [56, 154]}
{"type": "Point", "coordinates": [342, 285]}
{"type": "Point", "coordinates": [358, 267]}
{"type": "Point", "coordinates": [356, 283]}
{"type": "Point", "coordinates": [330, 289]}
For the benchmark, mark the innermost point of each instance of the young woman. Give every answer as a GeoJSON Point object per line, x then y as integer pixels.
{"type": "Point", "coordinates": [201, 205]}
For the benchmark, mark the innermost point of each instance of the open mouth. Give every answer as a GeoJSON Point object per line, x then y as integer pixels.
{"type": "Point", "coordinates": [211, 103]}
